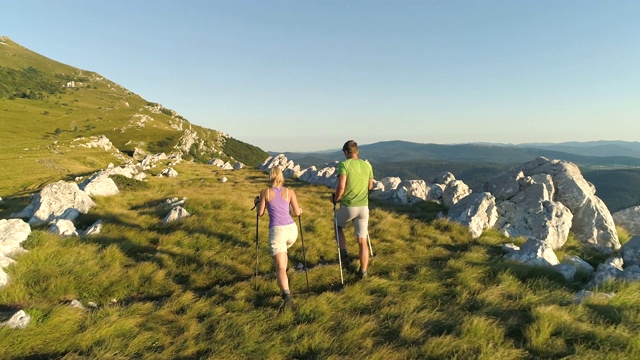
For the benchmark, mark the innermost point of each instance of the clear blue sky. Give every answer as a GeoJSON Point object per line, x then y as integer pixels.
{"type": "Point", "coordinates": [309, 75]}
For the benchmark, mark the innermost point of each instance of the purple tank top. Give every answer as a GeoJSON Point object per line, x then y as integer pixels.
{"type": "Point", "coordinates": [278, 210]}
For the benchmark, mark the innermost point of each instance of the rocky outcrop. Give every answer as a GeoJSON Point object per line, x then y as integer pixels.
{"type": "Point", "coordinates": [53, 201]}
{"type": "Point", "coordinates": [100, 142]}
{"type": "Point", "coordinates": [226, 165]}
{"type": "Point", "coordinates": [150, 160]}
{"type": "Point", "coordinates": [531, 212]}
{"type": "Point", "coordinates": [545, 199]}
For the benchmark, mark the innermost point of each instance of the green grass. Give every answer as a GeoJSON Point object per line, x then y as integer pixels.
{"type": "Point", "coordinates": [187, 290]}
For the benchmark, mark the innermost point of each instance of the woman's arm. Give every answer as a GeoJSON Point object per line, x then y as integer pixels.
{"type": "Point", "coordinates": [263, 202]}
{"type": "Point", "coordinates": [293, 200]}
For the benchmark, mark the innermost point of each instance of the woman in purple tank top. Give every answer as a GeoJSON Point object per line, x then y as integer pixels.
{"type": "Point", "coordinates": [283, 232]}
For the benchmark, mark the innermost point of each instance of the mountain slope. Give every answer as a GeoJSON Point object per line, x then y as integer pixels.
{"type": "Point", "coordinates": [48, 108]}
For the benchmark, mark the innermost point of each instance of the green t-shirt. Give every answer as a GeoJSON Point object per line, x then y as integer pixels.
{"type": "Point", "coordinates": [358, 172]}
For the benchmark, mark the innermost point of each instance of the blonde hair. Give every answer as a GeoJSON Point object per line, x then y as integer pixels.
{"type": "Point", "coordinates": [276, 177]}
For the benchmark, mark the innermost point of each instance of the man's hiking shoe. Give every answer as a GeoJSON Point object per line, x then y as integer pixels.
{"type": "Point", "coordinates": [344, 256]}
{"type": "Point", "coordinates": [363, 274]}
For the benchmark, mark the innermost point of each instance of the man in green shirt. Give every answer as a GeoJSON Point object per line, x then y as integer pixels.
{"type": "Point", "coordinates": [355, 180]}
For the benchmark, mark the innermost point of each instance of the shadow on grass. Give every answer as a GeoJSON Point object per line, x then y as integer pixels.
{"type": "Point", "coordinates": [45, 356]}
{"type": "Point", "coordinates": [425, 211]}
{"type": "Point", "coordinates": [13, 204]}
{"type": "Point", "coordinates": [607, 313]}
{"type": "Point", "coordinates": [7, 311]}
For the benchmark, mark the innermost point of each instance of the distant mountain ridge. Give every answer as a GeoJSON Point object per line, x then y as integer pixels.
{"type": "Point", "coordinates": [616, 177]}
{"type": "Point", "coordinates": [591, 148]}
{"type": "Point", "coordinates": [616, 154]}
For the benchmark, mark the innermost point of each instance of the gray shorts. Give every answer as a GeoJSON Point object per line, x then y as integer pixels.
{"type": "Point", "coordinates": [282, 237]}
{"type": "Point", "coordinates": [360, 217]}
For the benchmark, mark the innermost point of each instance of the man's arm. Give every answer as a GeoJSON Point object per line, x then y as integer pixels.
{"type": "Point", "coordinates": [342, 183]}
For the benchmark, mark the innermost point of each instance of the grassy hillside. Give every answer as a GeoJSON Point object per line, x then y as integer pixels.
{"type": "Point", "coordinates": [47, 108]}
{"type": "Point", "coordinates": [187, 290]}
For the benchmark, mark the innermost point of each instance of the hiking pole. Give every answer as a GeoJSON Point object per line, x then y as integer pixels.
{"type": "Point", "coordinates": [257, 219]}
{"type": "Point", "coordinates": [370, 248]}
{"type": "Point", "coordinates": [304, 256]}
{"type": "Point", "coordinates": [335, 223]}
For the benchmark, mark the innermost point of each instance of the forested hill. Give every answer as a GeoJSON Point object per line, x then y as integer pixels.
{"type": "Point", "coordinates": [403, 151]}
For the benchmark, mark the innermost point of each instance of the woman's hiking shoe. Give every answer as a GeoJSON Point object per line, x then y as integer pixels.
{"type": "Point", "coordinates": [344, 256]}
{"type": "Point", "coordinates": [288, 301]}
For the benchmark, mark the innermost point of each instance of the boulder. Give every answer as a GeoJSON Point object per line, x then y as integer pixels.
{"type": "Point", "coordinates": [630, 251]}
{"type": "Point", "coordinates": [99, 185]}
{"type": "Point", "coordinates": [168, 172]}
{"type": "Point", "coordinates": [534, 252]}
{"type": "Point", "coordinates": [54, 200]}
{"type": "Point", "coordinates": [63, 227]}
{"type": "Point", "coordinates": [176, 213]}
{"type": "Point", "coordinates": [476, 211]}
{"type": "Point", "coordinates": [12, 233]}
{"type": "Point", "coordinates": [4, 262]}
{"type": "Point", "coordinates": [628, 219]}
{"type": "Point", "coordinates": [417, 190]}
{"type": "Point", "coordinates": [443, 178]}
{"type": "Point", "coordinates": [19, 320]}
{"type": "Point", "coordinates": [94, 229]}
{"type": "Point", "coordinates": [592, 222]}
{"type": "Point", "coordinates": [530, 212]}
{"type": "Point", "coordinates": [453, 192]}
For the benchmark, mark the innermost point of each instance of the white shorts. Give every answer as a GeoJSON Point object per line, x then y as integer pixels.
{"type": "Point", "coordinates": [282, 237]}
{"type": "Point", "coordinates": [360, 217]}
